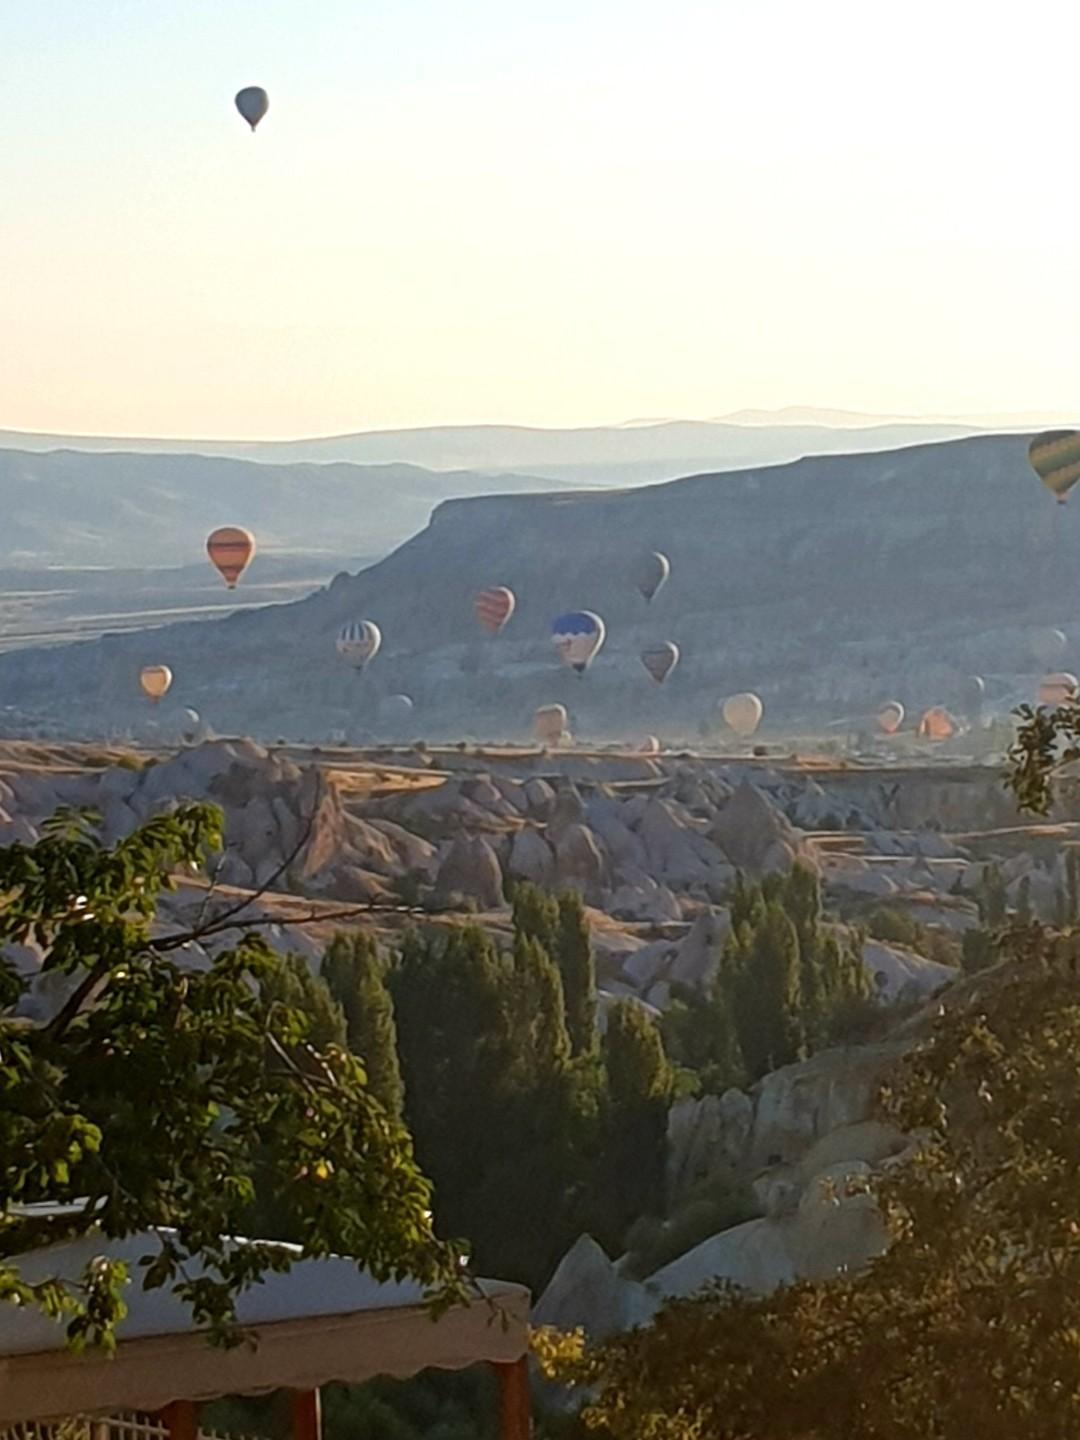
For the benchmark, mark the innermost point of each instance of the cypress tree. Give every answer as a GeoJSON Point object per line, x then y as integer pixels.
{"type": "Point", "coordinates": [354, 973]}
{"type": "Point", "coordinates": [536, 915]}
{"type": "Point", "coordinates": [769, 997]}
{"type": "Point", "coordinates": [577, 965]}
{"type": "Point", "coordinates": [639, 1085]}
{"type": "Point", "coordinates": [292, 984]}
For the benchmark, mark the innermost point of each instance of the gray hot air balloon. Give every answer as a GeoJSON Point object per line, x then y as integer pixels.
{"type": "Point", "coordinates": [660, 660]}
{"type": "Point", "coordinates": [651, 573]}
{"type": "Point", "coordinates": [253, 103]}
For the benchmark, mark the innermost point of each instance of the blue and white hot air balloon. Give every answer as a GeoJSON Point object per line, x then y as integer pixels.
{"type": "Point", "coordinates": [358, 642]}
{"type": "Point", "coordinates": [577, 636]}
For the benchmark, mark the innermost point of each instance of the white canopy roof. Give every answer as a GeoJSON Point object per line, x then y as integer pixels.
{"type": "Point", "coordinates": [323, 1321]}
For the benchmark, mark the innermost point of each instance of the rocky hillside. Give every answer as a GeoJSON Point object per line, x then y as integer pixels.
{"type": "Point", "coordinates": [826, 585]}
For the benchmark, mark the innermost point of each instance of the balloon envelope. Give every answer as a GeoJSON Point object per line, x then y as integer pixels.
{"type": "Point", "coordinates": [154, 681]}
{"type": "Point", "coordinates": [742, 713]}
{"type": "Point", "coordinates": [577, 637]}
{"type": "Point", "coordinates": [1055, 458]}
{"type": "Point", "coordinates": [253, 103]}
{"type": "Point", "coordinates": [651, 574]}
{"type": "Point", "coordinates": [1049, 645]}
{"type": "Point", "coordinates": [358, 642]}
{"type": "Point", "coordinates": [936, 724]}
{"type": "Point", "coordinates": [396, 707]}
{"type": "Point", "coordinates": [660, 660]}
{"type": "Point", "coordinates": [650, 745]}
{"type": "Point", "coordinates": [1059, 688]}
{"type": "Point", "coordinates": [231, 549]}
{"type": "Point", "coordinates": [494, 607]}
{"type": "Point", "coordinates": [550, 724]}
{"type": "Point", "coordinates": [890, 717]}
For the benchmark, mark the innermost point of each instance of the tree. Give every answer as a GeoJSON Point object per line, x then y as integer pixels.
{"type": "Point", "coordinates": [160, 1099]}
{"type": "Point", "coordinates": [354, 974]}
{"type": "Point", "coordinates": [640, 1082]}
{"type": "Point", "coordinates": [577, 966]}
{"type": "Point", "coordinates": [969, 1323]}
{"type": "Point", "coordinates": [292, 985]}
{"type": "Point", "coordinates": [768, 993]}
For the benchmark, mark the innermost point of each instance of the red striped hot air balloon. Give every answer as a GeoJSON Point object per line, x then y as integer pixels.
{"type": "Point", "coordinates": [231, 550]}
{"type": "Point", "coordinates": [494, 607]}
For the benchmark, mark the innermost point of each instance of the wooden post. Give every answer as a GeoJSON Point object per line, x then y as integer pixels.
{"type": "Point", "coordinates": [181, 1420]}
{"type": "Point", "coordinates": [305, 1415]}
{"type": "Point", "coordinates": [514, 1407]}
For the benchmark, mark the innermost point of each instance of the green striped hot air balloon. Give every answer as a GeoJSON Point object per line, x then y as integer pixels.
{"type": "Point", "coordinates": [1055, 458]}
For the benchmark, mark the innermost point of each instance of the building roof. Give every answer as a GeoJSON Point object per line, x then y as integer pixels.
{"type": "Point", "coordinates": [325, 1320]}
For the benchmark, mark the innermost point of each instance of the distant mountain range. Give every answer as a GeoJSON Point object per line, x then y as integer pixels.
{"type": "Point", "coordinates": [639, 452]}
{"type": "Point", "coordinates": [828, 585]}
{"type": "Point", "coordinates": [67, 507]}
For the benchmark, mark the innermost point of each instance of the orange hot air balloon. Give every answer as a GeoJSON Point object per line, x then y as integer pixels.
{"type": "Point", "coordinates": [1060, 688]}
{"type": "Point", "coordinates": [890, 717]}
{"type": "Point", "coordinates": [494, 607]}
{"type": "Point", "coordinates": [936, 724]}
{"type": "Point", "coordinates": [231, 549]}
{"type": "Point", "coordinates": [154, 681]}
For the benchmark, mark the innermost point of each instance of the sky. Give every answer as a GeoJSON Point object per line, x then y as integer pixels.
{"type": "Point", "coordinates": [557, 213]}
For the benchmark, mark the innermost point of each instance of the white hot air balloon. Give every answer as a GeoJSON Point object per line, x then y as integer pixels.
{"type": "Point", "coordinates": [551, 724]}
{"type": "Point", "coordinates": [742, 713]}
{"type": "Point", "coordinates": [1059, 688]}
{"type": "Point", "coordinates": [890, 717]}
{"type": "Point", "coordinates": [358, 643]}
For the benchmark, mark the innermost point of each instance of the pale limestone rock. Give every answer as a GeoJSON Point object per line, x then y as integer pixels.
{"type": "Point", "coordinates": [471, 868]}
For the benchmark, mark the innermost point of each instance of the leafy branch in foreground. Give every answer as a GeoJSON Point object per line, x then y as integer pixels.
{"type": "Point", "coordinates": [969, 1323]}
{"type": "Point", "coordinates": [164, 1100]}
{"type": "Point", "coordinates": [1045, 741]}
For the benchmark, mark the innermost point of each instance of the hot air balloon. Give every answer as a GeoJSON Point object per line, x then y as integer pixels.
{"type": "Point", "coordinates": [1049, 645]}
{"type": "Point", "coordinates": [154, 680]}
{"type": "Point", "coordinates": [660, 660]}
{"type": "Point", "coordinates": [231, 549]}
{"type": "Point", "coordinates": [742, 713]}
{"type": "Point", "coordinates": [1055, 458]}
{"type": "Point", "coordinates": [253, 103]}
{"type": "Point", "coordinates": [494, 607]}
{"type": "Point", "coordinates": [936, 724]}
{"type": "Point", "coordinates": [396, 708]}
{"type": "Point", "coordinates": [1059, 688]}
{"type": "Point", "coordinates": [651, 573]}
{"type": "Point", "coordinates": [890, 717]}
{"type": "Point", "coordinates": [358, 642]}
{"type": "Point", "coordinates": [577, 636]}
{"type": "Point", "coordinates": [550, 724]}
{"type": "Point", "coordinates": [649, 746]}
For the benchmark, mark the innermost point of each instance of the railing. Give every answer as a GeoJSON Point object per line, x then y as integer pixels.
{"type": "Point", "coordinates": [125, 1426]}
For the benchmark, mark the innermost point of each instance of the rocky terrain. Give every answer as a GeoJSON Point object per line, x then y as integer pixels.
{"type": "Point", "coordinates": [323, 840]}
{"type": "Point", "coordinates": [828, 586]}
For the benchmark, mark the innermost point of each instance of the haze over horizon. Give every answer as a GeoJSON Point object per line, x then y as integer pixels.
{"type": "Point", "coordinates": [542, 215]}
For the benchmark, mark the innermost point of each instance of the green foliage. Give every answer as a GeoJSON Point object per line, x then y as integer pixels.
{"type": "Point", "coordinates": [291, 985]}
{"type": "Point", "coordinates": [353, 973]}
{"type": "Point", "coordinates": [969, 1324]}
{"type": "Point", "coordinates": [1044, 741]}
{"type": "Point", "coordinates": [894, 927]}
{"type": "Point", "coordinates": [979, 950]}
{"type": "Point", "coordinates": [577, 966]}
{"type": "Point", "coordinates": [788, 982]}
{"type": "Point", "coordinates": [640, 1083]}
{"type": "Point", "coordinates": [163, 1099]}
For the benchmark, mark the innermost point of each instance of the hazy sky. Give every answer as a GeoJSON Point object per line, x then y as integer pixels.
{"type": "Point", "coordinates": [561, 212]}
